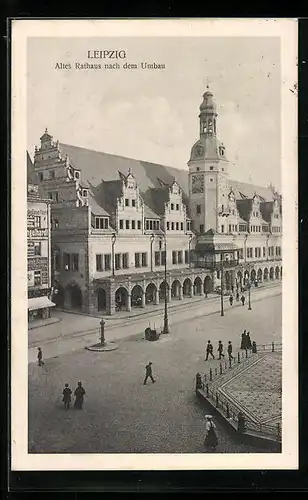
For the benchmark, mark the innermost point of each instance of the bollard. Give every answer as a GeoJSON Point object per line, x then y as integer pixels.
{"type": "Point", "coordinates": [198, 381]}
{"type": "Point", "coordinates": [241, 423]}
{"type": "Point", "coordinates": [238, 357]}
{"type": "Point", "coordinates": [246, 352]}
{"type": "Point", "coordinates": [228, 411]}
{"type": "Point", "coordinates": [211, 374]}
{"type": "Point", "coordinates": [217, 400]}
{"type": "Point", "coordinates": [207, 390]}
{"type": "Point", "coordinates": [220, 368]}
{"type": "Point", "coordinates": [273, 347]}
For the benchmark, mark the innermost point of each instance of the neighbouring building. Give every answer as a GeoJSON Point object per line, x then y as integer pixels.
{"type": "Point", "coordinates": [39, 252]}
{"type": "Point", "coordinates": [115, 220]}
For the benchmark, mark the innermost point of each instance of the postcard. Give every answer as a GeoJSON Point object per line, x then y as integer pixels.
{"type": "Point", "coordinates": [154, 244]}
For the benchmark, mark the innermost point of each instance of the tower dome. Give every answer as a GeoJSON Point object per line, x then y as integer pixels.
{"type": "Point", "coordinates": [208, 104]}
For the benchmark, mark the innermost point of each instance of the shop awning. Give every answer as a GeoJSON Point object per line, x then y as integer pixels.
{"type": "Point", "coordinates": [39, 303]}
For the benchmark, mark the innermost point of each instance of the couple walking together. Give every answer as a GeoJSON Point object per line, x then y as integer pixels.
{"type": "Point", "coordinates": [79, 395]}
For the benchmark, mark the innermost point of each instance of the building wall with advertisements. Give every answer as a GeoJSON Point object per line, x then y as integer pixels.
{"type": "Point", "coordinates": [39, 249]}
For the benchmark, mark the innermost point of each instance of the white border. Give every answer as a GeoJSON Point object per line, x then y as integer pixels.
{"type": "Point", "coordinates": [286, 30]}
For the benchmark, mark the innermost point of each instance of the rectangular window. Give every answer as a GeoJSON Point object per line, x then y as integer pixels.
{"type": "Point", "coordinates": [229, 228]}
{"type": "Point", "coordinates": [127, 224]}
{"type": "Point", "coordinates": [180, 257]}
{"type": "Point", "coordinates": [117, 258]}
{"type": "Point", "coordinates": [139, 224]}
{"type": "Point", "coordinates": [56, 223]}
{"type": "Point", "coordinates": [264, 251]}
{"type": "Point", "coordinates": [133, 203]}
{"type": "Point", "coordinates": [157, 258]}
{"type": "Point", "coordinates": [144, 260]}
{"type": "Point", "coordinates": [177, 226]}
{"type": "Point", "coordinates": [201, 228]}
{"type": "Point", "coordinates": [133, 224]}
{"type": "Point", "coordinates": [106, 220]}
{"type": "Point", "coordinates": [50, 195]}
{"type": "Point", "coordinates": [182, 226]}
{"type": "Point", "coordinates": [37, 278]}
{"type": "Point", "coordinates": [222, 228]}
{"type": "Point", "coordinates": [107, 261]}
{"type": "Point", "coordinates": [177, 206]}
{"type": "Point", "coordinates": [168, 226]}
{"type": "Point", "coordinates": [125, 260]}
{"type": "Point", "coordinates": [37, 221]}
{"type": "Point", "coordinates": [41, 176]}
{"type": "Point", "coordinates": [174, 261]}
{"type": "Point", "coordinates": [66, 261]}
{"type": "Point", "coordinates": [126, 202]}
{"type": "Point", "coordinates": [137, 259]}
{"type": "Point", "coordinates": [37, 248]}
{"type": "Point", "coordinates": [52, 174]}
{"type": "Point", "coordinates": [75, 261]}
{"type": "Point", "coordinates": [57, 261]}
{"type": "Point", "coordinates": [96, 222]}
{"type": "Point", "coordinates": [235, 228]}
{"type": "Point", "coordinates": [186, 256]}
{"type": "Point", "coordinates": [101, 223]}
{"type": "Point", "coordinates": [99, 262]}
{"type": "Point", "coordinates": [172, 206]}
{"type": "Point", "coordinates": [256, 252]}
{"type": "Point", "coordinates": [85, 193]}
{"type": "Point", "coordinates": [198, 211]}
{"type": "Point", "coordinates": [147, 225]}
{"type": "Point", "coordinates": [121, 223]}
{"type": "Point", "coordinates": [172, 226]}
{"type": "Point", "coordinates": [151, 225]}
{"type": "Point", "coordinates": [163, 258]}
{"type": "Point", "coordinates": [187, 226]}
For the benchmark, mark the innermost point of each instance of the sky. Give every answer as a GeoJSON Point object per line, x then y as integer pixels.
{"type": "Point", "coordinates": [152, 115]}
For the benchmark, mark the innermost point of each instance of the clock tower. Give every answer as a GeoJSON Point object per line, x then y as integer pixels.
{"type": "Point", "coordinates": [208, 173]}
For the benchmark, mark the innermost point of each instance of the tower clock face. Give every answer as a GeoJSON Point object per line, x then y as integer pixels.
{"type": "Point", "coordinates": [197, 183]}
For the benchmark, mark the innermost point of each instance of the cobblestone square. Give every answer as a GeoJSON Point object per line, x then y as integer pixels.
{"type": "Point", "coordinates": [120, 414]}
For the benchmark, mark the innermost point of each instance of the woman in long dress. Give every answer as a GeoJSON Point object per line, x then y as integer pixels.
{"type": "Point", "coordinates": [211, 440]}
{"type": "Point", "coordinates": [79, 394]}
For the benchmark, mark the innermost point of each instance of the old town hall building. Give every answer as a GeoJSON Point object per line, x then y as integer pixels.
{"type": "Point", "coordinates": [115, 220]}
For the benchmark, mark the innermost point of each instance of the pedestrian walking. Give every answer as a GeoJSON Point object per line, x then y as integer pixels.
{"type": "Point", "coordinates": [231, 300]}
{"type": "Point", "coordinates": [220, 350]}
{"type": "Point", "coordinates": [232, 289]}
{"type": "Point", "coordinates": [210, 440]}
{"type": "Point", "coordinates": [254, 348]}
{"type": "Point", "coordinates": [205, 293]}
{"type": "Point", "coordinates": [243, 300]}
{"type": "Point", "coordinates": [248, 341]}
{"type": "Point", "coordinates": [230, 348]}
{"type": "Point", "coordinates": [148, 373]}
{"type": "Point", "coordinates": [209, 350]}
{"type": "Point", "coordinates": [79, 395]}
{"type": "Point", "coordinates": [67, 396]}
{"type": "Point", "coordinates": [237, 297]}
{"type": "Point", "coordinates": [40, 361]}
{"type": "Point", "coordinates": [243, 341]}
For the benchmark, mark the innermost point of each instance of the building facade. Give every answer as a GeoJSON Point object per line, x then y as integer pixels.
{"type": "Point", "coordinates": [116, 221]}
{"type": "Point", "coordinates": [39, 255]}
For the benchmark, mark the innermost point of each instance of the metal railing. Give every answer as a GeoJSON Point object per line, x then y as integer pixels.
{"type": "Point", "coordinates": [231, 410]}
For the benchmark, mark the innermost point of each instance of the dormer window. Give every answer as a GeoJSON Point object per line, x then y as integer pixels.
{"type": "Point", "coordinates": [84, 193]}
{"type": "Point", "coordinates": [172, 206]}
{"type": "Point", "coordinates": [126, 202]}
{"type": "Point", "coordinates": [133, 203]}
{"type": "Point", "coordinates": [77, 175]}
{"type": "Point", "coordinates": [211, 168]}
{"type": "Point", "coordinates": [101, 223]}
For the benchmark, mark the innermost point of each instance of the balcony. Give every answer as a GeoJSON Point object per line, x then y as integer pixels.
{"type": "Point", "coordinates": [216, 265]}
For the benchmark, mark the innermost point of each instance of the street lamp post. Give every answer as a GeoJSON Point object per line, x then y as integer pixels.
{"type": "Point", "coordinates": [152, 240]}
{"type": "Point", "coordinates": [221, 289]}
{"type": "Point", "coordinates": [166, 325]}
{"type": "Point", "coordinates": [249, 301]}
{"type": "Point", "coordinates": [113, 240]}
{"type": "Point", "coordinates": [189, 245]}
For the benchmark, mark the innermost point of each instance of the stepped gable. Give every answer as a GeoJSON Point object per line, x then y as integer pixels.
{"type": "Point", "coordinates": [32, 177]}
{"type": "Point", "coordinates": [244, 190]}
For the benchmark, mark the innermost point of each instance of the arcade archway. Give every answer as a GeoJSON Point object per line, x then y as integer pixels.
{"type": "Point", "coordinates": [121, 299]}
{"type": "Point", "coordinates": [175, 289]}
{"type": "Point", "coordinates": [136, 296]}
{"type": "Point", "coordinates": [187, 287]}
{"type": "Point", "coordinates": [150, 293]}
{"type": "Point", "coordinates": [198, 286]}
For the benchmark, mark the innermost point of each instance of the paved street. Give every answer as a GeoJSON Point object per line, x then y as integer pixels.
{"type": "Point", "coordinates": [120, 414]}
{"type": "Point", "coordinates": [76, 331]}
